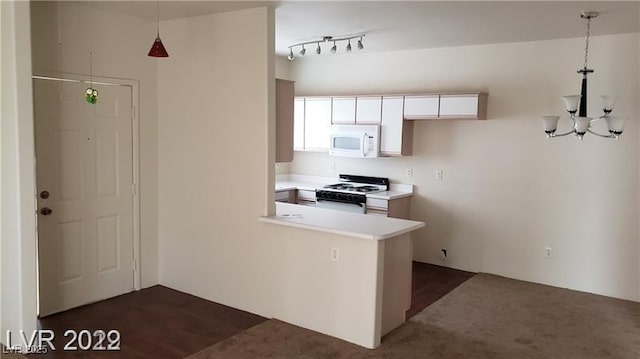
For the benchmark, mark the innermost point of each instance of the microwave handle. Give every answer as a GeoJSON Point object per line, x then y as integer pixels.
{"type": "Point", "coordinates": [364, 142]}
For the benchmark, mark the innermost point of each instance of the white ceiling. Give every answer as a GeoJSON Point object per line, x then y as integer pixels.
{"type": "Point", "coordinates": [405, 25]}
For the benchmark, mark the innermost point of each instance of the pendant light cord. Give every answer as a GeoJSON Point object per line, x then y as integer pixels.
{"type": "Point", "coordinates": [586, 43]}
{"type": "Point", "coordinates": [90, 47]}
{"type": "Point", "coordinates": [158, 18]}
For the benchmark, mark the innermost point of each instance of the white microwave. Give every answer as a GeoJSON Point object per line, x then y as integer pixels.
{"type": "Point", "coordinates": [355, 141]}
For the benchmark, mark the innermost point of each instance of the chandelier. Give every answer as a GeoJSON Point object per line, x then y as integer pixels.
{"type": "Point", "coordinates": [327, 39]}
{"type": "Point", "coordinates": [578, 103]}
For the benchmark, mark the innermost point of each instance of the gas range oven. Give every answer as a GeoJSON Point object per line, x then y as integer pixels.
{"type": "Point", "coordinates": [349, 194]}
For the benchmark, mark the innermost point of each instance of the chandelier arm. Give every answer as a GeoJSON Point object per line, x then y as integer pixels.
{"type": "Point", "coordinates": [563, 134]}
{"type": "Point", "coordinates": [597, 134]}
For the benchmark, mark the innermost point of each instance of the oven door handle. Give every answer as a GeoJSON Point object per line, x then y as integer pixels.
{"type": "Point", "coordinates": [339, 201]}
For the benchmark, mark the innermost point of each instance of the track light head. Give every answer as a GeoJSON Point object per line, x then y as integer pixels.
{"type": "Point", "coordinates": [290, 57]}
{"type": "Point", "coordinates": [303, 51]}
{"type": "Point", "coordinates": [334, 48]}
{"type": "Point", "coordinates": [360, 45]}
{"type": "Point", "coordinates": [318, 49]}
{"type": "Point", "coordinates": [349, 46]}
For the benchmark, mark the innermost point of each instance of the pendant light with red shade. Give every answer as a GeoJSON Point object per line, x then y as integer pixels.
{"type": "Point", "coordinates": [157, 49]}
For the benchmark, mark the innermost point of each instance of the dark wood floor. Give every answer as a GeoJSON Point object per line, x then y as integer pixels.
{"type": "Point", "coordinates": [159, 322]}
{"type": "Point", "coordinates": [431, 282]}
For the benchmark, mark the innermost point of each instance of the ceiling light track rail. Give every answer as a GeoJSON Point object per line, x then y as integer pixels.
{"type": "Point", "coordinates": [327, 39]}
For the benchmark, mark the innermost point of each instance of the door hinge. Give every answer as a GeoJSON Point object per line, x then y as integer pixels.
{"type": "Point", "coordinates": [135, 265]}
{"type": "Point", "coordinates": [133, 189]}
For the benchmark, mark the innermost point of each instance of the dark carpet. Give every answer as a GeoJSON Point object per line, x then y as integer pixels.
{"type": "Point", "coordinates": [486, 317]}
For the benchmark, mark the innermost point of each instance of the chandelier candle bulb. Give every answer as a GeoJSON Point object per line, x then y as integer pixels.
{"type": "Point", "coordinates": [571, 103]}
{"type": "Point", "coordinates": [608, 102]}
{"type": "Point", "coordinates": [550, 124]}
{"type": "Point", "coordinates": [615, 124]}
{"type": "Point", "coordinates": [582, 125]}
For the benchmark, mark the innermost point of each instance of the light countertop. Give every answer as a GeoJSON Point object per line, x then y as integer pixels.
{"type": "Point", "coordinates": [311, 183]}
{"type": "Point", "coordinates": [339, 222]}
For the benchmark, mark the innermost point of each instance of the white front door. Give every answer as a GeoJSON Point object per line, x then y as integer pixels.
{"type": "Point", "coordinates": [84, 166]}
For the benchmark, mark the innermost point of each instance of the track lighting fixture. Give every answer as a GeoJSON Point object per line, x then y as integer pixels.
{"type": "Point", "coordinates": [333, 49]}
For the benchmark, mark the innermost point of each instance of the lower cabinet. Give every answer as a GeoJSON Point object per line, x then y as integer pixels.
{"type": "Point", "coordinates": [396, 208]}
{"type": "Point", "coordinates": [306, 197]}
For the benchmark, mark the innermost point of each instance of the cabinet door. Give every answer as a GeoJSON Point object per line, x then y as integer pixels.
{"type": "Point", "coordinates": [395, 133]}
{"type": "Point", "coordinates": [421, 107]}
{"type": "Point", "coordinates": [343, 111]}
{"type": "Point", "coordinates": [284, 120]}
{"type": "Point", "coordinates": [317, 123]}
{"type": "Point", "coordinates": [298, 124]}
{"type": "Point", "coordinates": [368, 110]}
{"type": "Point", "coordinates": [459, 106]}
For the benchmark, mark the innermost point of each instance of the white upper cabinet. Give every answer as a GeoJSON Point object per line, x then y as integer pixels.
{"type": "Point", "coordinates": [396, 133]}
{"type": "Point", "coordinates": [344, 111]}
{"type": "Point", "coordinates": [421, 107]}
{"type": "Point", "coordinates": [317, 123]}
{"type": "Point", "coordinates": [368, 110]}
{"type": "Point", "coordinates": [298, 124]}
{"type": "Point", "coordinates": [464, 106]}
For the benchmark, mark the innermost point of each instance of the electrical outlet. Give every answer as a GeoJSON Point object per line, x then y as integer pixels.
{"type": "Point", "coordinates": [408, 172]}
{"type": "Point", "coordinates": [439, 175]}
{"type": "Point", "coordinates": [443, 254]}
{"type": "Point", "coordinates": [335, 254]}
{"type": "Point", "coordinates": [548, 252]}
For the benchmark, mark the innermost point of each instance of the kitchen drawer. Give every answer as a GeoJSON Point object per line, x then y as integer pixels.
{"type": "Point", "coordinates": [377, 211]}
{"type": "Point", "coordinates": [376, 203]}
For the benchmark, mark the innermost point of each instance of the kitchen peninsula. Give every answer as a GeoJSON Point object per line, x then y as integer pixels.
{"type": "Point", "coordinates": [352, 271]}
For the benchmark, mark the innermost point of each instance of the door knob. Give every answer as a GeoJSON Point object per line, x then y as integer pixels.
{"type": "Point", "coordinates": [45, 211]}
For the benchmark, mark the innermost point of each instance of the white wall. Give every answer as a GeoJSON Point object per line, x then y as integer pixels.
{"type": "Point", "coordinates": [507, 191]}
{"type": "Point", "coordinates": [283, 68]}
{"type": "Point", "coordinates": [17, 245]}
{"type": "Point", "coordinates": [120, 44]}
{"type": "Point", "coordinates": [216, 136]}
